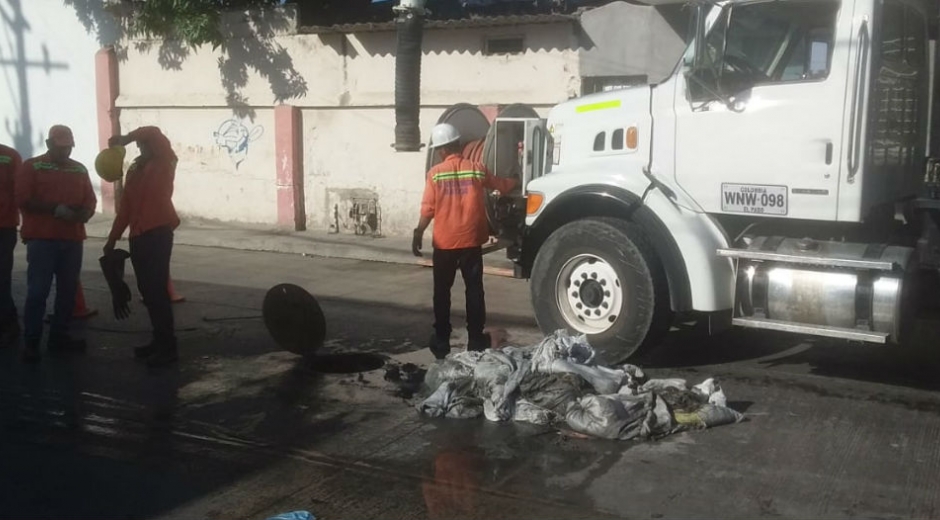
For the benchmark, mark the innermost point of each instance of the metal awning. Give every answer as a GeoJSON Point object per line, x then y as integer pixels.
{"type": "Point", "coordinates": [460, 23]}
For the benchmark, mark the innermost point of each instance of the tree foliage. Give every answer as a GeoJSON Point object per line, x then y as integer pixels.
{"type": "Point", "coordinates": [193, 22]}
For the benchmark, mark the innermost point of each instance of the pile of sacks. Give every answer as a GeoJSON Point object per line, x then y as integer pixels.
{"type": "Point", "coordinates": [555, 383]}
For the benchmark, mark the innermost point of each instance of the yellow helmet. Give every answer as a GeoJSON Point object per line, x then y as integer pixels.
{"type": "Point", "coordinates": [110, 163]}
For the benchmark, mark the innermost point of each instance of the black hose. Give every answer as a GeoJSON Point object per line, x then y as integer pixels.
{"type": "Point", "coordinates": [408, 82]}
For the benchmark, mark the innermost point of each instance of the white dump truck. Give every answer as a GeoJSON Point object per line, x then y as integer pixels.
{"type": "Point", "coordinates": [775, 180]}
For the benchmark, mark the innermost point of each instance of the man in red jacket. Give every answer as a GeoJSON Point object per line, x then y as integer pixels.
{"type": "Point", "coordinates": [146, 207]}
{"type": "Point", "coordinates": [56, 199]}
{"type": "Point", "coordinates": [10, 162]}
{"type": "Point", "coordinates": [454, 197]}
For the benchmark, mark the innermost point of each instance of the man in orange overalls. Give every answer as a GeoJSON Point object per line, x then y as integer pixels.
{"type": "Point", "coordinates": [454, 198]}
{"type": "Point", "coordinates": [56, 199]}
{"type": "Point", "coordinates": [10, 162]}
{"type": "Point", "coordinates": [147, 208]}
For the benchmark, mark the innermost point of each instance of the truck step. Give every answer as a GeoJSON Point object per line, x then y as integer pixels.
{"type": "Point", "coordinates": [809, 259]}
{"type": "Point", "coordinates": [813, 330]}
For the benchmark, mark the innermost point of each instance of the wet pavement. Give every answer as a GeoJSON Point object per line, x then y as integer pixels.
{"type": "Point", "coordinates": [242, 429]}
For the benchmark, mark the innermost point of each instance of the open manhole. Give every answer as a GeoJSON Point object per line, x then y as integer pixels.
{"type": "Point", "coordinates": [349, 363]}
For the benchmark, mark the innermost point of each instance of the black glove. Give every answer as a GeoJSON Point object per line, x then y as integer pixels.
{"type": "Point", "coordinates": [112, 265]}
{"type": "Point", "coordinates": [63, 212]}
{"type": "Point", "coordinates": [417, 242]}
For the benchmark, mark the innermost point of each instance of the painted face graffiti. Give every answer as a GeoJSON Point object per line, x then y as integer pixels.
{"type": "Point", "coordinates": [234, 137]}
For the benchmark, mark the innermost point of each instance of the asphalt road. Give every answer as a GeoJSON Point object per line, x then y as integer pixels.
{"type": "Point", "coordinates": [242, 429]}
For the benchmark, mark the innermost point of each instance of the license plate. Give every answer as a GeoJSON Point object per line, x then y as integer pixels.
{"type": "Point", "coordinates": [754, 199]}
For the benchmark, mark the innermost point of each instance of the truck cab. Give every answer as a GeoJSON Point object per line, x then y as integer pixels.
{"type": "Point", "coordinates": [772, 181]}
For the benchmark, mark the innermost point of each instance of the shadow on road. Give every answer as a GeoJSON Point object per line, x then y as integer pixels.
{"type": "Point", "coordinates": [914, 364]}
{"type": "Point", "coordinates": [128, 442]}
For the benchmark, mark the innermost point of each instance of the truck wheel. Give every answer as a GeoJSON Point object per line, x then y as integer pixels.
{"type": "Point", "coordinates": [601, 277]}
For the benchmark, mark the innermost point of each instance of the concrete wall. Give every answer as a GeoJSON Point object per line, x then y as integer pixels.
{"type": "Point", "coordinates": [347, 115]}
{"type": "Point", "coordinates": [47, 61]}
{"type": "Point", "coordinates": [226, 163]}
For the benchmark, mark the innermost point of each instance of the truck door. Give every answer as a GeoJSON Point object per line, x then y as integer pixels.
{"type": "Point", "coordinates": [759, 117]}
{"type": "Point", "coordinates": [520, 148]}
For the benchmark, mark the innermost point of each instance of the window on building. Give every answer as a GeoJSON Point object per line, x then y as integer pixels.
{"type": "Point", "coordinates": [616, 139]}
{"type": "Point", "coordinates": [599, 141]}
{"type": "Point", "coordinates": [504, 45]}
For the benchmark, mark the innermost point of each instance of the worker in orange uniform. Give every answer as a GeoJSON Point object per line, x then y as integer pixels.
{"type": "Point", "coordinates": [56, 199]}
{"type": "Point", "coordinates": [10, 162]}
{"type": "Point", "coordinates": [454, 198]}
{"type": "Point", "coordinates": [146, 207]}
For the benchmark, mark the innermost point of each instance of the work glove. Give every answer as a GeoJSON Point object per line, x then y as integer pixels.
{"type": "Point", "coordinates": [112, 265]}
{"type": "Point", "coordinates": [64, 212]}
{"type": "Point", "coordinates": [417, 242]}
{"type": "Point", "coordinates": [81, 214]}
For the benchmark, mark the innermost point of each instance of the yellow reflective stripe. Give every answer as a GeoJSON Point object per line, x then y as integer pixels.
{"type": "Point", "coordinates": [471, 174]}
{"type": "Point", "coordinates": [39, 165]}
{"type": "Point", "coordinates": [603, 105]}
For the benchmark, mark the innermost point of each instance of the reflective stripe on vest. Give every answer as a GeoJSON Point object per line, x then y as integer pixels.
{"type": "Point", "coordinates": [469, 174]}
{"type": "Point", "coordinates": [39, 165]}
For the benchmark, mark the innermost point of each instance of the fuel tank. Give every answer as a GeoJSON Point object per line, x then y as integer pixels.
{"type": "Point", "coordinates": [828, 284]}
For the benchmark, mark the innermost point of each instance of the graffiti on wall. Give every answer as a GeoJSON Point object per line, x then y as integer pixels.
{"type": "Point", "coordinates": [355, 211]}
{"type": "Point", "coordinates": [234, 136]}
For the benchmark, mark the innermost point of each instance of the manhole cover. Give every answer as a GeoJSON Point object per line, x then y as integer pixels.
{"type": "Point", "coordinates": [294, 319]}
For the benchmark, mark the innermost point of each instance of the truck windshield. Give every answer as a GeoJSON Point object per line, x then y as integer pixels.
{"type": "Point", "coordinates": [771, 42]}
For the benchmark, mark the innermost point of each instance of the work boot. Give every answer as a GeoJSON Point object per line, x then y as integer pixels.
{"type": "Point", "coordinates": [145, 351]}
{"type": "Point", "coordinates": [440, 347]}
{"type": "Point", "coordinates": [479, 343]}
{"type": "Point", "coordinates": [31, 353]}
{"type": "Point", "coordinates": [162, 356]}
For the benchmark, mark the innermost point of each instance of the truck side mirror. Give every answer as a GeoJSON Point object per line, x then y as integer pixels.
{"type": "Point", "coordinates": [699, 36]}
{"type": "Point", "coordinates": [705, 75]}
{"type": "Point", "coordinates": [701, 76]}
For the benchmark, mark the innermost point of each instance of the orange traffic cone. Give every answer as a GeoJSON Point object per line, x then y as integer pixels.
{"type": "Point", "coordinates": [81, 308]}
{"type": "Point", "coordinates": [174, 296]}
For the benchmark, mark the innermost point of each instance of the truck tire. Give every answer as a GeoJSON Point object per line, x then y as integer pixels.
{"type": "Point", "coordinates": [602, 277]}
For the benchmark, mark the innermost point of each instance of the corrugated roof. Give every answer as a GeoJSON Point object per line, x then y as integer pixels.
{"type": "Point", "coordinates": [461, 23]}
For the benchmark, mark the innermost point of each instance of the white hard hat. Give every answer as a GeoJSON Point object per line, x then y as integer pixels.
{"type": "Point", "coordinates": [443, 134]}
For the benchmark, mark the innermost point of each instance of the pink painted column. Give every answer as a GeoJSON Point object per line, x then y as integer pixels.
{"type": "Point", "coordinates": [107, 89]}
{"type": "Point", "coordinates": [288, 151]}
{"type": "Point", "coordinates": [490, 112]}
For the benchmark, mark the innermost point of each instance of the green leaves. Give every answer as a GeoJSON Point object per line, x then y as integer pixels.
{"type": "Point", "coordinates": [193, 22]}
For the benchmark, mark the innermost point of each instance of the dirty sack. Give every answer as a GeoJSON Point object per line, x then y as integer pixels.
{"type": "Point", "coordinates": [556, 383]}
{"type": "Point", "coordinates": [455, 366]}
{"type": "Point", "coordinates": [553, 392]}
{"type": "Point", "coordinates": [621, 417]}
{"type": "Point", "coordinates": [454, 400]}
{"type": "Point", "coordinates": [704, 406]}
{"type": "Point", "coordinates": [496, 378]}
